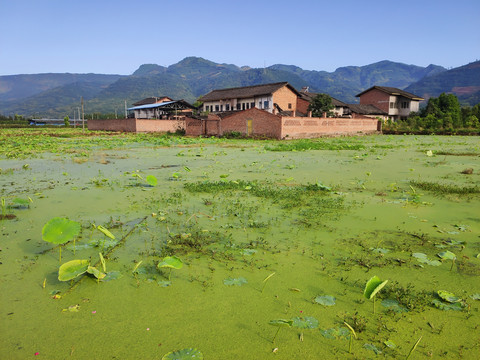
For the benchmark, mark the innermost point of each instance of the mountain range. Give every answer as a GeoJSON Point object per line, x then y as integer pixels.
{"type": "Point", "coordinates": [55, 95]}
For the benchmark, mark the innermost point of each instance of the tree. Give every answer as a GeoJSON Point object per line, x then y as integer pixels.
{"type": "Point", "coordinates": [66, 120]}
{"type": "Point", "coordinates": [320, 104]}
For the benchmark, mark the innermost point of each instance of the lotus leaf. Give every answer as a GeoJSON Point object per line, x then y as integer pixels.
{"type": "Point", "coordinates": [306, 322]}
{"type": "Point", "coordinates": [184, 354]}
{"type": "Point", "coordinates": [380, 250]}
{"type": "Point", "coordinates": [95, 272]}
{"type": "Point", "coordinates": [170, 262]}
{"type": "Point", "coordinates": [335, 333]}
{"type": "Point", "coordinates": [112, 275]}
{"type": "Point", "coordinates": [325, 300]}
{"type": "Point", "coordinates": [373, 348]}
{"type": "Point", "coordinates": [107, 243]}
{"type": "Point", "coordinates": [390, 344]}
{"type": "Point", "coordinates": [373, 286]}
{"type": "Point", "coordinates": [281, 322]}
{"type": "Point", "coordinates": [422, 258]}
{"type": "Point", "coordinates": [445, 306]}
{"type": "Point", "coordinates": [447, 255]}
{"type": "Point", "coordinates": [394, 305]}
{"type": "Point", "coordinates": [72, 269]}
{"type": "Point", "coordinates": [164, 283]}
{"type": "Point", "coordinates": [106, 232]}
{"type": "Point", "coordinates": [237, 281]}
{"type": "Point", "coordinates": [60, 230]}
{"type": "Point", "coordinates": [448, 296]}
{"type": "Point", "coordinates": [475, 296]}
{"type": "Point", "coordinates": [151, 180]}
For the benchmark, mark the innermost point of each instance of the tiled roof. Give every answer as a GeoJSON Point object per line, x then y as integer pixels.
{"type": "Point", "coordinates": [309, 96]}
{"type": "Point", "coordinates": [246, 91]}
{"type": "Point", "coordinates": [393, 91]}
{"type": "Point", "coordinates": [150, 100]}
{"type": "Point", "coordinates": [363, 109]}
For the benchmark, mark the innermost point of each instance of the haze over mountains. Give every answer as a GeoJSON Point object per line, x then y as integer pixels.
{"type": "Point", "coordinates": [55, 95]}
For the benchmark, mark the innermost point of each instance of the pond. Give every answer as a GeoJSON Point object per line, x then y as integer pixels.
{"type": "Point", "coordinates": [241, 249]}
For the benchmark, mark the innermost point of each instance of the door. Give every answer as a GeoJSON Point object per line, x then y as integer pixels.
{"type": "Point", "coordinates": [249, 127]}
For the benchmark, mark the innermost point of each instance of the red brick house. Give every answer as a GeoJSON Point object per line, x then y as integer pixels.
{"type": "Point", "coordinates": [274, 98]}
{"type": "Point", "coordinates": [398, 104]}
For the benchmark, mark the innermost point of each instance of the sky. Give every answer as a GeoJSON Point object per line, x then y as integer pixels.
{"type": "Point", "coordinates": [117, 36]}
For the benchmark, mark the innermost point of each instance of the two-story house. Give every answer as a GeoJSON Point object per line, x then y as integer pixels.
{"type": "Point", "coordinates": [273, 98]}
{"type": "Point", "coordinates": [398, 104]}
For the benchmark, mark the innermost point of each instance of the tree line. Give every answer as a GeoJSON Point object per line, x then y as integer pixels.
{"type": "Point", "coordinates": [442, 115]}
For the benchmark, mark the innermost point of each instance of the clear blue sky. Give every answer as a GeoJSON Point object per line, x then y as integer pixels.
{"type": "Point", "coordinates": [117, 36]}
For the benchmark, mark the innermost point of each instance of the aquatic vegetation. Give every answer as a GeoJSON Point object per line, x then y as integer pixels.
{"type": "Point", "coordinates": [235, 281]}
{"type": "Point", "coordinates": [305, 322]}
{"type": "Point", "coordinates": [60, 231]}
{"type": "Point", "coordinates": [373, 348]}
{"type": "Point", "coordinates": [184, 354]}
{"type": "Point", "coordinates": [266, 279]}
{"type": "Point", "coordinates": [170, 262]}
{"type": "Point", "coordinates": [423, 258]}
{"type": "Point", "coordinates": [72, 269]}
{"type": "Point", "coordinates": [325, 300]}
{"type": "Point", "coordinates": [442, 189]}
{"type": "Point", "coordinates": [373, 286]}
{"type": "Point", "coordinates": [279, 323]}
{"type": "Point", "coordinates": [352, 335]}
{"type": "Point", "coordinates": [413, 347]}
{"type": "Point", "coordinates": [335, 333]}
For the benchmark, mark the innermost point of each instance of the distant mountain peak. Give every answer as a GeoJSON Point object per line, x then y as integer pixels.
{"type": "Point", "coordinates": [149, 69]}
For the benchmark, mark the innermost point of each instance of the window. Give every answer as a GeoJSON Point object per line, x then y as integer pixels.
{"type": "Point", "coordinates": [239, 106]}
{"type": "Point", "coordinates": [221, 107]}
{"type": "Point", "coordinates": [259, 104]}
{"type": "Point", "coordinates": [266, 104]}
{"type": "Point", "coordinates": [227, 107]}
{"type": "Point", "coordinates": [243, 106]}
{"type": "Point", "coordinates": [252, 104]}
{"type": "Point", "coordinates": [248, 106]}
{"type": "Point", "coordinates": [405, 105]}
{"type": "Point", "coordinates": [217, 108]}
{"type": "Point", "coordinates": [289, 105]}
{"type": "Point", "coordinates": [391, 105]}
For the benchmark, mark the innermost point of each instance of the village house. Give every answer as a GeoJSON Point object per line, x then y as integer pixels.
{"type": "Point", "coordinates": [272, 98]}
{"type": "Point", "coordinates": [398, 104]}
{"type": "Point", "coordinates": [153, 114]}
{"type": "Point", "coordinates": [160, 108]}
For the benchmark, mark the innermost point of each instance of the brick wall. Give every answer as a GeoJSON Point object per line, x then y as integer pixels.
{"type": "Point", "coordinates": [124, 125]}
{"type": "Point", "coordinates": [263, 123]}
{"type": "Point", "coordinates": [136, 125]}
{"type": "Point", "coordinates": [302, 105]}
{"type": "Point", "coordinates": [305, 127]}
{"type": "Point", "coordinates": [378, 98]}
{"type": "Point", "coordinates": [146, 125]}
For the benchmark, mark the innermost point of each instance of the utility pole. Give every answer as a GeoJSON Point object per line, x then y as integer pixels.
{"type": "Point", "coordinates": [83, 117]}
{"type": "Point", "coordinates": [125, 109]}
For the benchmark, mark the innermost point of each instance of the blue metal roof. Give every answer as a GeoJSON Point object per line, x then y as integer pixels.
{"type": "Point", "coordinates": [151, 106]}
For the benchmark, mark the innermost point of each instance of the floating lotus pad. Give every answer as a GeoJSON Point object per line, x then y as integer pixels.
{"type": "Point", "coordinates": [325, 300]}
{"type": "Point", "coordinates": [335, 333]}
{"type": "Point", "coordinates": [172, 262]}
{"type": "Point", "coordinates": [447, 255]}
{"type": "Point", "coordinates": [60, 230]}
{"type": "Point", "coordinates": [305, 322]}
{"type": "Point", "coordinates": [281, 323]}
{"type": "Point", "coordinates": [70, 270]}
{"type": "Point", "coordinates": [184, 354]}
{"type": "Point", "coordinates": [423, 258]}
{"type": "Point", "coordinates": [448, 296]}
{"type": "Point", "coordinates": [237, 281]}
